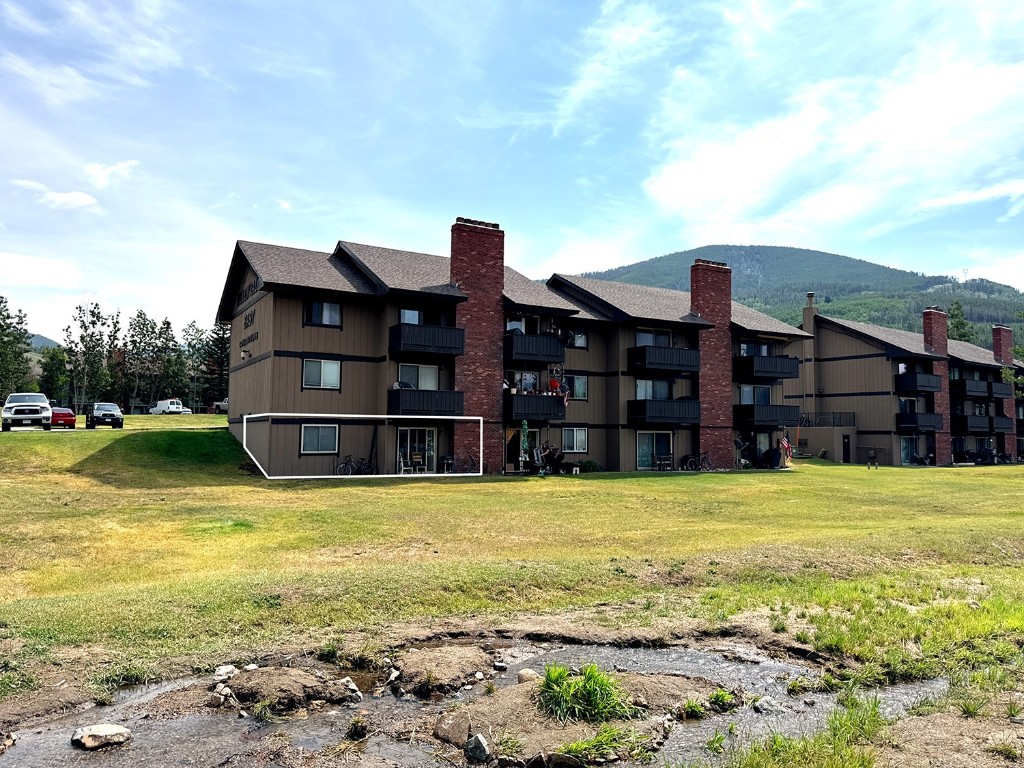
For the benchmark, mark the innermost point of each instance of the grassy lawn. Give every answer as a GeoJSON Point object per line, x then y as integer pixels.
{"type": "Point", "coordinates": [152, 543]}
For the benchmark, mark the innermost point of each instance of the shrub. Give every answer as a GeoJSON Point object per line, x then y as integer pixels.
{"type": "Point", "coordinates": [593, 695]}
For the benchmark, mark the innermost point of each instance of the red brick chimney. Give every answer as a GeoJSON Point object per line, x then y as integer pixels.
{"type": "Point", "coordinates": [936, 325]}
{"type": "Point", "coordinates": [478, 270]}
{"type": "Point", "coordinates": [1002, 344]}
{"type": "Point", "coordinates": [1002, 351]}
{"type": "Point", "coordinates": [711, 298]}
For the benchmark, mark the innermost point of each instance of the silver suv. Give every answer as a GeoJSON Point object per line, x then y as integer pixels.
{"type": "Point", "coordinates": [26, 409]}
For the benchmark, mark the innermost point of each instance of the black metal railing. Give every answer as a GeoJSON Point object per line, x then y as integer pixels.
{"type": "Point", "coordinates": [765, 367]}
{"type": "Point", "coordinates": [527, 348]}
{"type": "Point", "coordinates": [919, 422]}
{"type": "Point", "coordinates": [829, 419]}
{"type": "Point", "coordinates": [674, 359]}
{"type": "Point", "coordinates": [1001, 390]}
{"type": "Point", "coordinates": [431, 339]}
{"type": "Point", "coordinates": [425, 402]}
{"type": "Point", "coordinates": [1003, 424]}
{"type": "Point", "coordinates": [976, 425]}
{"type": "Point", "coordinates": [767, 415]}
{"type": "Point", "coordinates": [534, 407]}
{"type": "Point", "coordinates": [909, 383]}
{"type": "Point", "coordinates": [961, 388]}
{"type": "Point", "coordinates": [680, 412]}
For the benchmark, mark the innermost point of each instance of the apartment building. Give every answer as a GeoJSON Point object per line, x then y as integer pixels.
{"type": "Point", "coordinates": [871, 393]}
{"type": "Point", "coordinates": [373, 351]}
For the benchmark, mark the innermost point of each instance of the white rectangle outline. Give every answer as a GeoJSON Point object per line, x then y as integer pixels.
{"type": "Point", "coordinates": [478, 419]}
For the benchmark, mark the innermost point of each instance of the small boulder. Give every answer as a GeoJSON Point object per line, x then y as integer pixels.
{"type": "Point", "coordinates": [500, 666]}
{"type": "Point", "coordinates": [225, 672]}
{"type": "Point", "coordinates": [216, 700]}
{"type": "Point", "coordinates": [453, 727]}
{"type": "Point", "coordinates": [528, 676]}
{"type": "Point", "coordinates": [478, 749]}
{"type": "Point", "coordinates": [251, 667]}
{"type": "Point", "coordinates": [6, 740]}
{"type": "Point", "coordinates": [98, 736]}
{"type": "Point", "coordinates": [766, 705]}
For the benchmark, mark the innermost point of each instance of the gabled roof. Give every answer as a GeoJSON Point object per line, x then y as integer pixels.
{"type": "Point", "coordinates": [394, 270]}
{"type": "Point", "coordinates": [612, 300]}
{"type": "Point", "coordinates": [278, 265]}
{"type": "Point", "coordinates": [972, 354]}
{"type": "Point", "coordinates": [524, 292]}
{"type": "Point", "coordinates": [907, 342]}
{"type": "Point", "coordinates": [608, 300]}
{"type": "Point", "coordinates": [758, 322]}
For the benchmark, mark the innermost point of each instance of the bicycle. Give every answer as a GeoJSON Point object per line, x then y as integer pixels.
{"type": "Point", "coordinates": [701, 462]}
{"type": "Point", "coordinates": [361, 466]}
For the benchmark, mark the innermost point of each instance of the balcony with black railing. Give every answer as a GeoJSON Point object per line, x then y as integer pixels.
{"type": "Point", "coordinates": [1001, 390]}
{"type": "Point", "coordinates": [919, 422]}
{"type": "Point", "coordinates": [960, 389]}
{"type": "Point", "coordinates": [426, 339]}
{"type": "Point", "coordinates": [971, 425]}
{"type": "Point", "coordinates": [425, 402]}
{"type": "Point", "coordinates": [663, 359]}
{"type": "Point", "coordinates": [765, 367]}
{"type": "Point", "coordinates": [534, 407]}
{"type": "Point", "coordinates": [540, 349]}
{"type": "Point", "coordinates": [747, 416]}
{"type": "Point", "coordinates": [829, 419]}
{"type": "Point", "coordinates": [683, 412]}
{"type": "Point", "coordinates": [915, 383]}
{"type": "Point", "coordinates": [1003, 424]}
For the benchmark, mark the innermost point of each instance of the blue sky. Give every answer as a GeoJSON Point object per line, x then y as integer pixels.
{"type": "Point", "coordinates": [139, 140]}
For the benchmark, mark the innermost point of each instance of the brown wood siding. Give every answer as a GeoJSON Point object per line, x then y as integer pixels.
{"type": "Point", "coordinates": [855, 372]}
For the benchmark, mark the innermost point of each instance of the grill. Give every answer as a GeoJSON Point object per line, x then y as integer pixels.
{"type": "Point", "coordinates": [26, 411]}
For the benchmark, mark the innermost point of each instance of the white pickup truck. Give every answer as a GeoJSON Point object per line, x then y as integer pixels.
{"type": "Point", "coordinates": [221, 406]}
{"type": "Point", "coordinates": [26, 409]}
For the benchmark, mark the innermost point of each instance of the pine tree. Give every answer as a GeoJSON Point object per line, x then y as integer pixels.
{"type": "Point", "coordinates": [14, 345]}
{"type": "Point", "coordinates": [960, 328]}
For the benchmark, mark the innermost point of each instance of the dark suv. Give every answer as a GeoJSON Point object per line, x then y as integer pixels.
{"type": "Point", "coordinates": [103, 413]}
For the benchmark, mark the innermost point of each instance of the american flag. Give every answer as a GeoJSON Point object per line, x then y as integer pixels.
{"type": "Point", "coordinates": [785, 446]}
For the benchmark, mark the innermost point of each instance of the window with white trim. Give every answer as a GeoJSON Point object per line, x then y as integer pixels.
{"type": "Point", "coordinates": [319, 438]}
{"type": "Point", "coordinates": [321, 374]}
{"type": "Point", "coordinates": [412, 316]}
{"type": "Point", "coordinates": [578, 339]}
{"type": "Point", "coordinates": [418, 376]}
{"type": "Point", "coordinates": [574, 440]}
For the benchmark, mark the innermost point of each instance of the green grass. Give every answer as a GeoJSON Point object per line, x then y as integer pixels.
{"type": "Point", "coordinates": [152, 543]}
{"type": "Point", "coordinates": [593, 695]}
{"type": "Point", "coordinates": [607, 742]}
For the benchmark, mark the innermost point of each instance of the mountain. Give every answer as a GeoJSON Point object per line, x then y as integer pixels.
{"type": "Point", "coordinates": [776, 280]}
{"type": "Point", "coordinates": [41, 342]}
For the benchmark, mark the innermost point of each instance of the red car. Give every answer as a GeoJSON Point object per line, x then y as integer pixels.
{"type": "Point", "coordinates": [63, 417]}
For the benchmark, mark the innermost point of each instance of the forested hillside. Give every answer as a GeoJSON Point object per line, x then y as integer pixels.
{"type": "Point", "coordinates": [776, 280]}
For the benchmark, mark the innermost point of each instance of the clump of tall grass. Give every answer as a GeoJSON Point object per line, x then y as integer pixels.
{"type": "Point", "coordinates": [593, 695]}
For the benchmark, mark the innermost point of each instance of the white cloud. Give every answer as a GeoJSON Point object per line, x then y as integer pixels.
{"type": "Point", "coordinates": [58, 85]}
{"type": "Point", "coordinates": [839, 153]}
{"type": "Point", "coordinates": [625, 36]}
{"type": "Point", "coordinates": [102, 176]}
{"type": "Point", "coordinates": [1001, 266]}
{"type": "Point", "coordinates": [22, 20]}
{"type": "Point", "coordinates": [284, 205]}
{"type": "Point", "coordinates": [57, 200]}
{"type": "Point", "coordinates": [1012, 190]}
{"type": "Point", "coordinates": [23, 270]}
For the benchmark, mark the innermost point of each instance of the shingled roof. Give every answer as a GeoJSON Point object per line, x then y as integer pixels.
{"type": "Point", "coordinates": [403, 270]}
{"type": "Point", "coordinates": [906, 341]}
{"type": "Point", "coordinates": [973, 354]}
{"type": "Point", "coordinates": [279, 265]}
{"type": "Point", "coordinates": [660, 304]}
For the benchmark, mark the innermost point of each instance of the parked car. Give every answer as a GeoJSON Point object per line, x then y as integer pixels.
{"type": "Point", "coordinates": [103, 413]}
{"type": "Point", "coordinates": [62, 417]}
{"type": "Point", "coordinates": [26, 409]}
{"type": "Point", "coordinates": [186, 411]}
{"type": "Point", "coordinates": [221, 406]}
{"type": "Point", "coordinates": [172, 406]}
